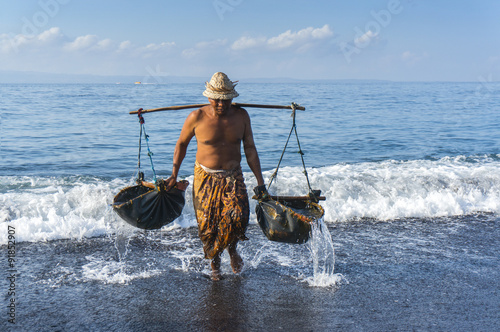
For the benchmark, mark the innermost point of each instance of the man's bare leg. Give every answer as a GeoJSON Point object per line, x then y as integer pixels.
{"type": "Point", "coordinates": [216, 268]}
{"type": "Point", "coordinates": [236, 260]}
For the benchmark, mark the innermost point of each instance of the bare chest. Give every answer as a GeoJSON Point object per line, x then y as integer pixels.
{"type": "Point", "coordinates": [219, 132]}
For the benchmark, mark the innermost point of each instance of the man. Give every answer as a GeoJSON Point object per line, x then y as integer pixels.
{"type": "Point", "coordinates": [219, 193]}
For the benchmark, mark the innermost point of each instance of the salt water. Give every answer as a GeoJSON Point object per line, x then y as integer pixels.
{"type": "Point", "coordinates": [411, 173]}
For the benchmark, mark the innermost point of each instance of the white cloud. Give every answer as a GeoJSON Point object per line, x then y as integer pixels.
{"type": "Point", "coordinates": [202, 47]}
{"type": "Point", "coordinates": [299, 38]}
{"type": "Point", "coordinates": [51, 35]}
{"type": "Point", "coordinates": [248, 42]}
{"type": "Point", "coordinates": [105, 44]}
{"type": "Point", "coordinates": [49, 50]}
{"type": "Point", "coordinates": [10, 43]}
{"type": "Point", "coordinates": [190, 52]}
{"type": "Point", "coordinates": [322, 33]}
{"type": "Point", "coordinates": [285, 39]}
{"type": "Point", "coordinates": [125, 45]}
{"type": "Point", "coordinates": [94, 44]}
{"type": "Point", "coordinates": [211, 44]}
{"type": "Point", "coordinates": [365, 39]}
{"type": "Point", "coordinates": [55, 38]}
{"type": "Point", "coordinates": [82, 43]}
{"type": "Point", "coordinates": [159, 47]}
{"type": "Point", "coordinates": [412, 58]}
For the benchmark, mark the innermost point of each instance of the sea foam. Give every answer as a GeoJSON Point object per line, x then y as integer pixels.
{"type": "Point", "coordinates": [49, 208]}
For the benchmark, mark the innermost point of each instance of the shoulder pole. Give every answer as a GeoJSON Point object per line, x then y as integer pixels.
{"type": "Point", "coordinates": [181, 107]}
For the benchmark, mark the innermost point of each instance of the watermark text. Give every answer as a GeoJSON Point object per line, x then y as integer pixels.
{"type": "Point", "coordinates": [48, 9]}
{"type": "Point", "coordinates": [372, 29]}
{"type": "Point", "coordinates": [11, 274]}
{"type": "Point", "coordinates": [223, 6]}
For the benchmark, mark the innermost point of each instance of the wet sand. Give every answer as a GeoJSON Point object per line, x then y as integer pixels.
{"type": "Point", "coordinates": [439, 275]}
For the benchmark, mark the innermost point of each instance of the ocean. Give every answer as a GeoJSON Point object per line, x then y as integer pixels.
{"type": "Point", "coordinates": [410, 238]}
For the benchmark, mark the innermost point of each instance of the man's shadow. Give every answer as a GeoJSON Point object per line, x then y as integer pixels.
{"type": "Point", "coordinates": [224, 305]}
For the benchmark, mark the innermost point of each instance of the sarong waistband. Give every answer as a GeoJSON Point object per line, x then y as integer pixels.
{"type": "Point", "coordinates": [219, 172]}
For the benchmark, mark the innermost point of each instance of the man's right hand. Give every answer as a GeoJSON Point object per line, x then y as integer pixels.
{"type": "Point", "coordinates": [170, 182]}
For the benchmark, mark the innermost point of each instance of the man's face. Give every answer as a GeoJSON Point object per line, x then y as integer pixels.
{"type": "Point", "coordinates": [221, 106]}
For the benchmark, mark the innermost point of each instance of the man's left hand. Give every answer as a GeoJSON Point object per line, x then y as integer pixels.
{"type": "Point", "coordinates": [261, 193]}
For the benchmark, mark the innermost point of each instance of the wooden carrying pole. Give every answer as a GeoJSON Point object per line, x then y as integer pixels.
{"type": "Point", "coordinates": [181, 107]}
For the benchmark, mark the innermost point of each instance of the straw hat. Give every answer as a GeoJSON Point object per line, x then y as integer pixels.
{"type": "Point", "coordinates": [220, 87]}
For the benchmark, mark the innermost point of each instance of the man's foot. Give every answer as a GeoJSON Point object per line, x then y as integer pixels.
{"type": "Point", "coordinates": [216, 275]}
{"type": "Point", "coordinates": [236, 262]}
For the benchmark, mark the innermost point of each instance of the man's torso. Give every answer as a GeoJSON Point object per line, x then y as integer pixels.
{"type": "Point", "coordinates": [219, 139]}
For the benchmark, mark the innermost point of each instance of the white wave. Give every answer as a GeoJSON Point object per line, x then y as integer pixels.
{"type": "Point", "coordinates": [43, 208]}
{"type": "Point", "coordinates": [401, 189]}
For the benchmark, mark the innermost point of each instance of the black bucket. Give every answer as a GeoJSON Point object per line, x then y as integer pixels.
{"type": "Point", "coordinates": [287, 221]}
{"type": "Point", "coordinates": [150, 208]}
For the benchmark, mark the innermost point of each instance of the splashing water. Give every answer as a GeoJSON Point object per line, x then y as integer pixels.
{"type": "Point", "coordinates": [109, 271]}
{"type": "Point", "coordinates": [322, 252]}
{"type": "Point", "coordinates": [122, 242]}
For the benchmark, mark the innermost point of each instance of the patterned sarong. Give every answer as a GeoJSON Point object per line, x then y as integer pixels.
{"type": "Point", "coordinates": [220, 202]}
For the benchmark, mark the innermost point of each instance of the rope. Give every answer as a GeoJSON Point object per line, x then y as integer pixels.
{"type": "Point", "coordinates": [273, 176]}
{"type": "Point", "coordinates": [140, 145]}
{"type": "Point", "coordinates": [293, 129]}
{"type": "Point", "coordinates": [150, 154]}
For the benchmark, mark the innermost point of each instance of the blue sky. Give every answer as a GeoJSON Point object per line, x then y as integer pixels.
{"type": "Point", "coordinates": [401, 40]}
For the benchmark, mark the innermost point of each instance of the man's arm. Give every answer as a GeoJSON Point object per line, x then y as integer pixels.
{"type": "Point", "coordinates": [185, 137]}
{"type": "Point", "coordinates": [251, 151]}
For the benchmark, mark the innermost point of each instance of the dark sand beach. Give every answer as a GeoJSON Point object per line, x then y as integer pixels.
{"type": "Point", "coordinates": [402, 275]}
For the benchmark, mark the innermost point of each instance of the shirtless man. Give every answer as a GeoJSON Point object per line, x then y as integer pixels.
{"type": "Point", "coordinates": [219, 193]}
